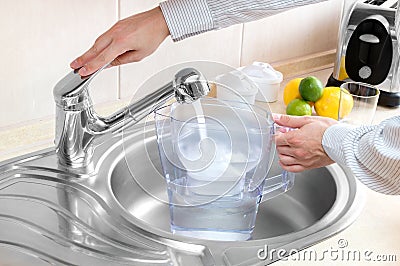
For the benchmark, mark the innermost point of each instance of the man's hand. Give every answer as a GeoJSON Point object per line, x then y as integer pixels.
{"type": "Point", "coordinates": [302, 149]}
{"type": "Point", "coordinates": [129, 40]}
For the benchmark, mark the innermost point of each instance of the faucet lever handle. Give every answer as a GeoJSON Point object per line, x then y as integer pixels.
{"type": "Point", "coordinates": [73, 84]}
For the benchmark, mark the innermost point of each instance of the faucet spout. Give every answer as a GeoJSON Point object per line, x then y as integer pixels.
{"type": "Point", "coordinates": [78, 125]}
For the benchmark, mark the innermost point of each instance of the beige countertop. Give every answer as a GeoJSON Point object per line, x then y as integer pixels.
{"type": "Point", "coordinates": [375, 232]}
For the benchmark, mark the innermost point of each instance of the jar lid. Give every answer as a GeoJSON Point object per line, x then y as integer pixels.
{"type": "Point", "coordinates": [263, 73]}
{"type": "Point", "coordinates": [238, 82]}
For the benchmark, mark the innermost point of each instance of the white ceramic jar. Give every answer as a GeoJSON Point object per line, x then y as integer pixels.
{"type": "Point", "coordinates": [236, 86]}
{"type": "Point", "coordinates": [266, 78]}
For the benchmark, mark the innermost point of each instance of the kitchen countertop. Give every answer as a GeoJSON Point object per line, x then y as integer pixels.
{"type": "Point", "coordinates": [375, 232]}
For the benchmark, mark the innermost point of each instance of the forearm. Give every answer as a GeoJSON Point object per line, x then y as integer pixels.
{"type": "Point", "coordinates": [187, 18]}
{"type": "Point", "coordinates": [372, 153]}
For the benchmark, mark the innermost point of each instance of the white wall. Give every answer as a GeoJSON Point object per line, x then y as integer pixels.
{"type": "Point", "coordinates": [297, 32]}
{"type": "Point", "coordinates": [39, 39]}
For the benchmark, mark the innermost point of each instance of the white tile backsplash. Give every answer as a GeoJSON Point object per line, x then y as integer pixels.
{"type": "Point", "coordinates": [297, 32]}
{"type": "Point", "coordinates": [39, 39]}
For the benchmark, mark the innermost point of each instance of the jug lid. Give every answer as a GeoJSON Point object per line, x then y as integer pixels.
{"type": "Point", "coordinates": [263, 73]}
{"type": "Point", "coordinates": [238, 82]}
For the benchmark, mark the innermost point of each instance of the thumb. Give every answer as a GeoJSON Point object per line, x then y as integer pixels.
{"type": "Point", "coordinates": [291, 121]}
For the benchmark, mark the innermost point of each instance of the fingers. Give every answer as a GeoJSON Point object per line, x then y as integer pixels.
{"type": "Point", "coordinates": [302, 149]}
{"type": "Point", "coordinates": [295, 168]}
{"type": "Point", "coordinates": [290, 138]}
{"type": "Point", "coordinates": [288, 160]}
{"type": "Point", "coordinates": [102, 52]}
{"type": "Point", "coordinates": [291, 158]}
{"type": "Point", "coordinates": [101, 43]}
{"type": "Point", "coordinates": [129, 40]}
{"type": "Point", "coordinates": [98, 60]}
{"type": "Point", "coordinates": [291, 163]}
{"type": "Point", "coordinates": [104, 57]}
{"type": "Point", "coordinates": [128, 57]}
{"type": "Point", "coordinates": [281, 139]}
{"type": "Point", "coordinates": [292, 121]}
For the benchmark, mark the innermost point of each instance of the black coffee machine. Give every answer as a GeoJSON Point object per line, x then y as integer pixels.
{"type": "Point", "coordinates": [368, 48]}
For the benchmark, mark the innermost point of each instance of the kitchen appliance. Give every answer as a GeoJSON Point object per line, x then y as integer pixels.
{"type": "Point", "coordinates": [368, 49]}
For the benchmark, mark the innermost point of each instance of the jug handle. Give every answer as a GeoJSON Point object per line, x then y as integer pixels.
{"type": "Point", "coordinates": [276, 185]}
{"type": "Point", "coordinates": [279, 184]}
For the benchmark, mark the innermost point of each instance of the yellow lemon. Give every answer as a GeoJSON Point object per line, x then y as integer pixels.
{"type": "Point", "coordinates": [342, 70]}
{"type": "Point", "coordinates": [328, 104]}
{"type": "Point", "coordinates": [291, 91]}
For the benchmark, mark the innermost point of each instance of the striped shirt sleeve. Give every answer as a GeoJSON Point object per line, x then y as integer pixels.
{"type": "Point", "coordinates": [371, 152]}
{"type": "Point", "coordinates": [187, 18]}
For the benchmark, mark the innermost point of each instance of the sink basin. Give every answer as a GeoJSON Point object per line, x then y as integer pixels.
{"type": "Point", "coordinates": [119, 215]}
{"type": "Point", "coordinates": [137, 184]}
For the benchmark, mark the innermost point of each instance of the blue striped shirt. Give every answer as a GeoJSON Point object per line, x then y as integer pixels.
{"type": "Point", "coordinates": [371, 152]}
{"type": "Point", "coordinates": [187, 18]}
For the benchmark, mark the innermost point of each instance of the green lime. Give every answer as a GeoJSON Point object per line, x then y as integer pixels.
{"type": "Point", "coordinates": [311, 89]}
{"type": "Point", "coordinates": [298, 107]}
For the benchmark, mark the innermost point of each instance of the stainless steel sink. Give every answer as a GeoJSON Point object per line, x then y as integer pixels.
{"type": "Point", "coordinates": [119, 215]}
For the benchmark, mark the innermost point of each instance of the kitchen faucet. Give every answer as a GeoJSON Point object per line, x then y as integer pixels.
{"type": "Point", "coordinates": [78, 126]}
